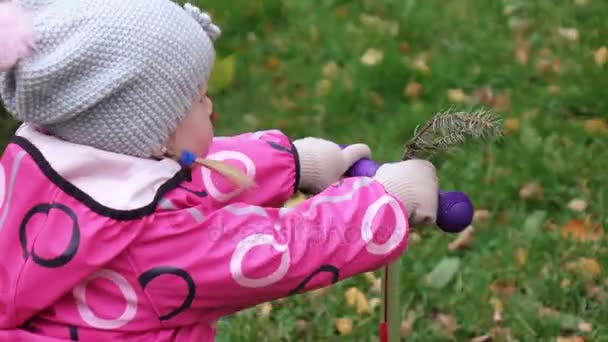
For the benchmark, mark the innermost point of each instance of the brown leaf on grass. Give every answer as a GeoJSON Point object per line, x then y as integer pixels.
{"type": "Point", "coordinates": [501, 334]}
{"type": "Point", "coordinates": [420, 64]}
{"type": "Point", "coordinates": [587, 267]}
{"type": "Point", "coordinates": [585, 327]}
{"type": "Point", "coordinates": [354, 297]}
{"type": "Point", "coordinates": [323, 87]}
{"type": "Point", "coordinates": [377, 286]}
{"type": "Point", "coordinates": [531, 190]}
{"type": "Point", "coordinates": [521, 256]}
{"type": "Point", "coordinates": [301, 326]}
{"type": "Point", "coordinates": [404, 47]}
{"type": "Point", "coordinates": [578, 205]}
{"type": "Point", "coordinates": [597, 125]}
{"type": "Point", "coordinates": [413, 90]}
{"type": "Point", "coordinates": [548, 66]}
{"type": "Point", "coordinates": [341, 11]}
{"type": "Point", "coordinates": [579, 230]}
{"type": "Point", "coordinates": [554, 89]}
{"type": "Point", "coordinates": [597, 293]}
{"type": "Point", "coordinates": [344, 326]}
{"type": "Point", "coordinates": [446, 323]}
{"type": "Point", "coordinates": [408, 323]}
{"type": "Point", "coordinates": [503, 287]}
{"type": "Point", "coordinates": [481, 215]}
{"type": "Point", "coordinates": [565, 283]}
{"type": "Point", "coordinates": [499, 101]}
{"type": "Point", "coordinates": [377, 99]}
{"type": "Point", "coordinates": [600, 56]}
{"type": "Point", "coordinates": [570, 339]}
{"type": "Point", "coordinates": [272, 63]}
{"type": "Point", "coordinates": [370, 277]}
{"type": "Point", "coordinates": [522, 52]}
{"type": "Point", "coordinates": [499, 309]}
{"type": "Point", "coordinates": [511, 125]}
{"type": "Point", "coordinates": [374, 303]}
{"type": "Point", "coordinates": [463, 241]}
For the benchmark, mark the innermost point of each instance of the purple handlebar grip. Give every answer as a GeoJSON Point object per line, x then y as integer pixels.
{"type": "Point", "coordinates": [455, 212]}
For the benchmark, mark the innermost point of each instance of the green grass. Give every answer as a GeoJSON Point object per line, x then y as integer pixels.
{"type": "Point", "coordinates": [470, 44]}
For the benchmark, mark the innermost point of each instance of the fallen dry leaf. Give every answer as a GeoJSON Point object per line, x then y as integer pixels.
{"type": "Point", "coordinates": [372, 57]}
{"type": "Point", "coordinates": [301, 325]}
{"type": "Point", "coordinates": [484, 338]}
{"type": "Point", "coordinates": [481, 215]}
{"type": "Point", "coordinates": [503, 287]}
{"type": "Point", "coordinates": [568, 33]}
{"type": "Point", "coordinates": [390, 28]}
{"type": "Point", "coordinates": [351, 296]}
{"type": "Point", "coordinates": [323, 87]}
{"type": "Point", "coordinates": [601, 56]}
{"type": "Point", "coordinates": [498, 308]}
{"type": "Point", "coordinates": [597, 293]}
{"type": "Point", "coordinates": [578, 205]}
{"type": "Point", "coordinates": [597, 125]}
{"type": "Point", "coordinates": [341, 11]}
{"type": "Point", "coordinates": [546, 66]}
{"type": "Point", "coordinates": [463, 241]}
{"type": "Point", "coordinates": [354, 297]}
{"type": "Point", "coordinates": [458, 95]}
{"type": "Point", "coordinates": [554, 89]}
{"type": "Point", "coordinates": [264, 310]}
{"type": "Point", "coordinates": [586, 267]}
{"type": "Point", "coordinates": [576, 229]}
{"type": "Point", "coordinates": [374, 303]}
{"type": "Point", "coordinates": [272, 63]}
{"type": "Point", "coordinates": [581, 2]}
{"type": "Point", "coordinates": [499, 101]}
{"type": "Point", "coordinates": [404, 47]}
{"type": "Point", "coordinates": [531, 190]}
{"type": "Point", "coordinates": [370, 277]}
{"type": "Point", "coordinates": [377, 99]}
{"type": "Point", "coordinates": [408, 323]}
{"type": "Point", "coordinates": [511, 125]}
{"type": "Point", "coordinates": [522, 53]}
{"type": "Point", "coordinates": [420, 64]}
{"type": "Point", "coordinates": [521, 256]}
{"type": "Point", "coordinates": [585, 327]}
{"type": "Point", "coordinates": [344, 326]}
{"type": "Point", "coordinates": [565, 283]}
{"type": "Point", "coordinates": [330, 70]}
{"type": "Point", "coordinates": [446, 323]}
{"type": "Point", "coordinates": [295, 200]}
{"type": "Point", "coordinates": [377, 286]}
{"type": "Point", "coordinates": [413, 90]}
{"type": "Point", "coordinates": [570, 339]}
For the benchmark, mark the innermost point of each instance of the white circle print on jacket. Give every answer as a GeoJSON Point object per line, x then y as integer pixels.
{"type": "Point", "coordinates": [222, 156]}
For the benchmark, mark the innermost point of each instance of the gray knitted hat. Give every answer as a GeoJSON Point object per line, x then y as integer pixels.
{"type": "Point", "coordinates": [118, 75]}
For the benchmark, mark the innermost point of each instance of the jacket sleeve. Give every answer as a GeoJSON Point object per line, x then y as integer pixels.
{"type": "Point", "coordinates": [266, 156]}
{"type": "Point", "coordinates": [242, 255]}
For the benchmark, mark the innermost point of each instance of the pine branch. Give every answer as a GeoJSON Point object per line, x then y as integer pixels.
{"type": "Point", "coordinates": [451, 129]}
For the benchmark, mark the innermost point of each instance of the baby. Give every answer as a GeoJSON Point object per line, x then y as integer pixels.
{"type": "Point", "coordinates": [122, 217]}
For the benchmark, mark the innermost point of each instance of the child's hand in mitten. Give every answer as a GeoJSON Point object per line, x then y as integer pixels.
{"type": "Point", "coordinates": [415, 183]}
{"type": "Point", "coordinates": [323, 162]}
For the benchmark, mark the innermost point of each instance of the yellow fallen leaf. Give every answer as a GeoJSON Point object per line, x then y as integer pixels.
{"type": "Point", "coordinates": [351, 296]}
{"type": "Point", "coordinates": [503, 287]}
{"type": "Point", "coordinates": [463, 241]}
{"type": "Point", "coordinates": [568, 33]}
{"type": "Point", "coordinates": [323, 87]}
{"type": "Point", "coordinates": [330, 70]}
{"type": "Point", "coordinates": [420, 64]}
{"type": "Point", "coordinates": [484, 338]}
{"type": "Point", "coordinates": [498, 308]}
{"type": "Point", "coordinates": [521, 256]}
{"type": "Point", "coordinates": [295, 200]}
{"type": "Point", "coordinates": [565, 283]}
{"type": "Point", "coordinates": [377, 286]}
{"type": "Point", "coordinates": [601, 56]}
{"type": "Point", "coordinates": [586, 267]}
{"type": "Point", "coordinates": [344, 326]}
{"type": "Point", "coordinates": [264, 310]}
{"type": "Point", "coordinates": [413, 90]}
{"type": "Point", "coordinates": [363, 306]}
{"type": "Point", "coordinates": [272, 63]}
{"type": "Point", "coordinates": [374, 303]}
{"type": "Point", "coordinates": [370, 277]}
{"type": "Point", "coordinates": [511, 125]}
{"type": "Point", "coordinates": [404, 48]}
{"type": "Point", "coordinates": [596, 126]}
{"type": "Point", "coordinates": [581, 230]}
{"type": "Point", "coordinates": [585, 327]}
{"type": "Point", "coordinates": [522, 53]}
{"type": "Point", "coordinates": [458, 96]}
{"type": "Point", "coordinates": [372, 57]}
{"type": "Point", "coordinates": [578, 205]}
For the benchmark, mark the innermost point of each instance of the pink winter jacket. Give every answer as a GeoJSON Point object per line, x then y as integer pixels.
{"type": "Point", "coordinates": [96, 246]}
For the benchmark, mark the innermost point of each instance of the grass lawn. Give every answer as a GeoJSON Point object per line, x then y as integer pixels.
{"type": "Point", "coordinates": [370, 71]}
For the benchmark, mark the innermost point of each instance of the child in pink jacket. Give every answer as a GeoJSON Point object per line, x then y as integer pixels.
{"type": "Point", "coordinates": [109, 229]}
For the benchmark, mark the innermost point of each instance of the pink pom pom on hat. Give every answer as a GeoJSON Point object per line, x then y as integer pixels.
{"type": "Point", "coordinates": [16, 35]}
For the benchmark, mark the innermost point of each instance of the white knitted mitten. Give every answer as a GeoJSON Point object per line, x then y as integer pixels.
{"type": "Point", "coordinates": [415, 183]}
{"type": "Point", "coordinates": [323, 162]}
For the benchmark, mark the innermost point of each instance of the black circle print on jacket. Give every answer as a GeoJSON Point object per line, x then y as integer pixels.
{"type": "Point", "coordinates": [333, 270]}
{"type": "Point", "coordinates": [70, 250]}
{"type": "Point", "coordinates": [151, 274]}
